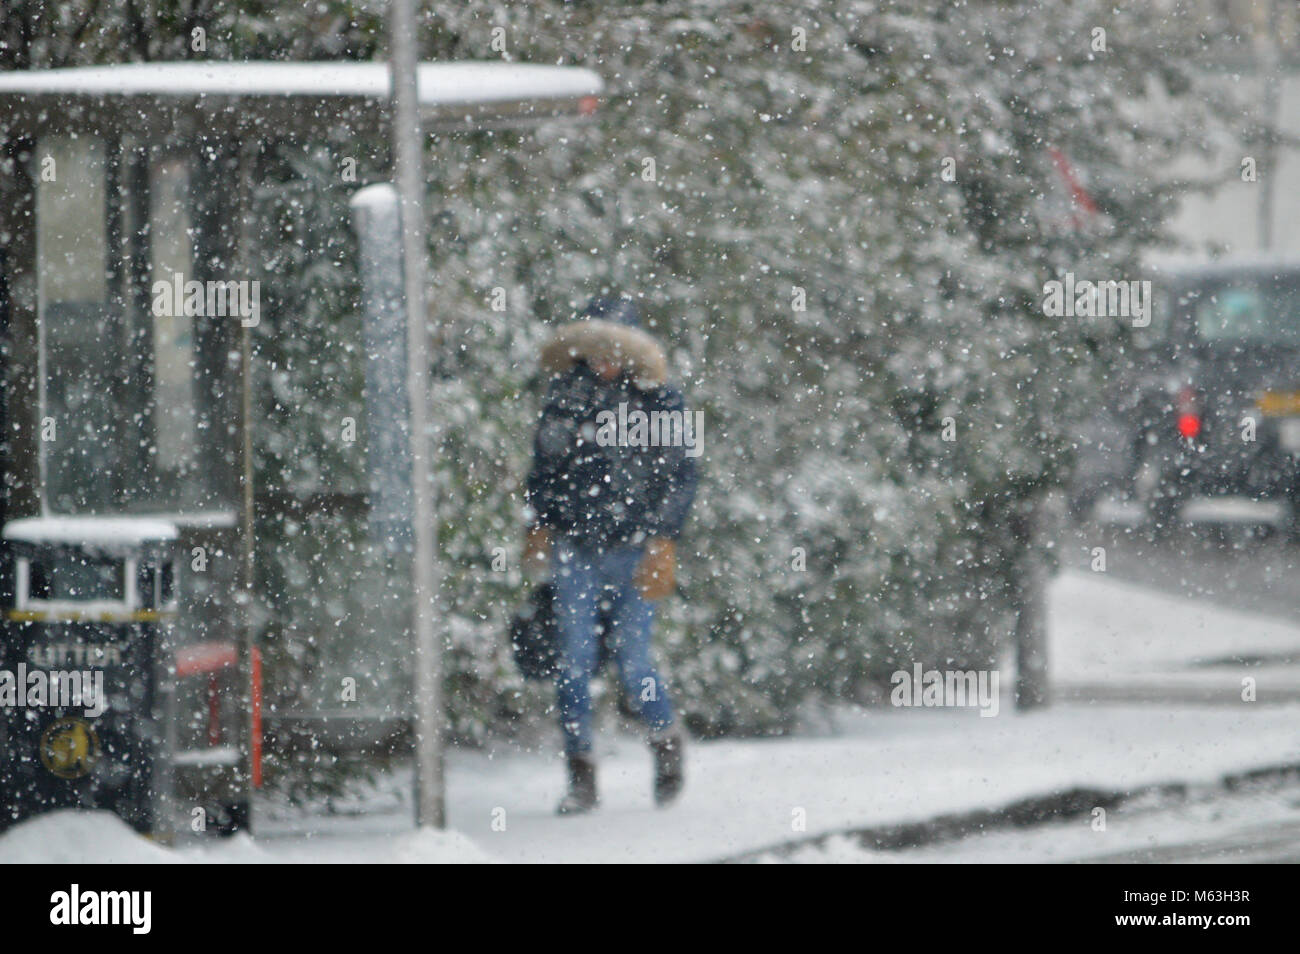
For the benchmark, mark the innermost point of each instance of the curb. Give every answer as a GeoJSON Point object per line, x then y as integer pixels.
{"type": "Point", "coordinates": [1022, 813]}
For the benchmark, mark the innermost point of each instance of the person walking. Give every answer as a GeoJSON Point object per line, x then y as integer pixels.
{"type": "Point", "coordinates": [605, 515]}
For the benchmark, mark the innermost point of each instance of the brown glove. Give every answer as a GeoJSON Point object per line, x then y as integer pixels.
{"type": "Point", "coordinates": [657, 571]}
{"type": "Point", "coordinates": [537, 551]}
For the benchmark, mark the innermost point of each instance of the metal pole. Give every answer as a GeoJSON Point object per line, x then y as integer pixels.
{"type": "Point", "coordinates": [245, 598]}
{"type": "Point", "coordinates": [1270, 67]}
{"type": "Point", "coordinates": [1032, 687]}
{"type": "Point", "coordinates": [427, 657]}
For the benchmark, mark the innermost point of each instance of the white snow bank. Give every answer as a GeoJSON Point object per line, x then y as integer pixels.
{"type": "Point", "coordinates": [77, 837]}
{"type": "Point", "coordinates": [73, 837]}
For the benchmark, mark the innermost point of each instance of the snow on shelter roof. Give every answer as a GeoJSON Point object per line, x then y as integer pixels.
{"type": "Point", "coordinates": [440, 84]}
{"type": "Point", "coordinates": [98, 532]}
{"type": "Point", "coordinates": [268, 100]}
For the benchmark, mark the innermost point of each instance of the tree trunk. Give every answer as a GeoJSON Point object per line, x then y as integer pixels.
{"type": "Point", "coordinates": [1032, 689]}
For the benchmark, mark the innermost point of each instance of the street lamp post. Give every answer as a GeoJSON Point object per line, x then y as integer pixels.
{"type": "Point", "coordinates": [426, 653]}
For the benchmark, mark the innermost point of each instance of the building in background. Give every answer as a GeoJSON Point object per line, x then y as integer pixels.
{"type": "Point", "coordinates": [1245, 216]}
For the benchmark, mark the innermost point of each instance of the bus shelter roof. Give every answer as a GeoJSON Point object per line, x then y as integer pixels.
{"type": "Point", "coordinates": [284, 95]}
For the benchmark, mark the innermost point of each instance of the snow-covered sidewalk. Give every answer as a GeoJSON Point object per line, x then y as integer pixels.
{"type": "Point", "coordinates": [877, 767]}
{"type": "Point", "coordinates": [887, 767]}
{"type": "Point", "coordinates": [1113, 640]}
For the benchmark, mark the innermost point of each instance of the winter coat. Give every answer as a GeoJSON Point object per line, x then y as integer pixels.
{"type": "Point", "coordinates": [583, 484]}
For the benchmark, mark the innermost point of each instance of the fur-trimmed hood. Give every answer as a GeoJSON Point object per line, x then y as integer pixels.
{"type": "Point", "coordinates": [593, 340]}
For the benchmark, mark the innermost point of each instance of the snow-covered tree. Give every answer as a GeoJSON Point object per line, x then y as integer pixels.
{"type": "Point", "coordinates": [840, 217]}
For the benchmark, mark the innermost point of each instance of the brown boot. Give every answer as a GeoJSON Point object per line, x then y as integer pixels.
{"type": "Point", "coordinates": [669, 767]}
{"type": "Point", "coordinates": [581, 797]}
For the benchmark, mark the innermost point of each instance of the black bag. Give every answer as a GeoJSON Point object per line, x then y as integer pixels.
{"type": "Point", "coordinates": [535, 638]}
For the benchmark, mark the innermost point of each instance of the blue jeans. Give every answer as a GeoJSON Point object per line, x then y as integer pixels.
{"type": "Point", "coordinates": [587, 581]}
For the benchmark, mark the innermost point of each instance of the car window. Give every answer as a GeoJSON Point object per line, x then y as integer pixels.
{"type": "Point", "coordinates": [1248, 311]}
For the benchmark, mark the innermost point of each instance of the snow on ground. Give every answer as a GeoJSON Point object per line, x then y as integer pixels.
{"type": "Point", "coordinates": [72, 837]}
{"type": "Point", "coordinates": [1111, 637]}
{"type": "Point", "coordinates": [1251, 826]}
{"type": "Point", "coordinates": [886, 767]}
{"type": "Point", "coordinates": [874, 767]}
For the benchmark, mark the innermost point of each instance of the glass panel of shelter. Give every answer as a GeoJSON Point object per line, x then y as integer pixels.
{"type": "Point", "coordinates": [130, 387]}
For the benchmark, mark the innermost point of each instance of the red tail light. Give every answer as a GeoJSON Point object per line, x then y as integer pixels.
{"type": "Point", "coordinates": [1189, 416]}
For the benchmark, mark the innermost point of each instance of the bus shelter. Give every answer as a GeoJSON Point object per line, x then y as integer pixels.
{"type": "Point", "coordinates": [125, 228]}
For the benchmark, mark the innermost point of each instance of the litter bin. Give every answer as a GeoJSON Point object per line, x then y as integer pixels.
{"type": "Point", "coordinates": [85, 674]}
